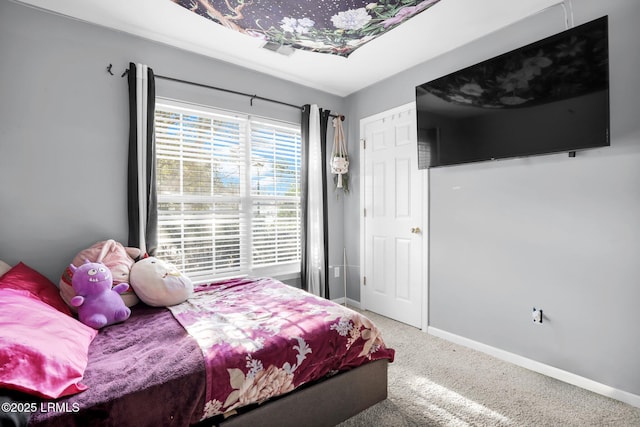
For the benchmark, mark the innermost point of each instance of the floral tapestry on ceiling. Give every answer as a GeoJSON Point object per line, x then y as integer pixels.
{"type": "Point", "coordinates": [336, 27]}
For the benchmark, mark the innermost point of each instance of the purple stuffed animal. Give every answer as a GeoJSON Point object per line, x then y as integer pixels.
{"type": "Point", "coordinates": [98, 304]}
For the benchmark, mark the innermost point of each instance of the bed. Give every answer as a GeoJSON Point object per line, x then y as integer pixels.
{"type": "Point", "coordinates": [239, 352]}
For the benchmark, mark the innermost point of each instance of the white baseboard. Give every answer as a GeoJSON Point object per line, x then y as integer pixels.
{"type": "Point", "coordinates": [353, 303]}
{"type": "Point", "coordinates": [338, 300]}
{"type": "Point", "coordinates": [350, 302]}
{"type": "Point", "coordinates": [550, 371]}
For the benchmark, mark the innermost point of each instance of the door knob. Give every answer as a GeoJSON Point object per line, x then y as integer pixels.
{"type": "Point", "coordinates": [415, 230]}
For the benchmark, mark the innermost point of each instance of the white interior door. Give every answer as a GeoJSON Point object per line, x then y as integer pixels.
{"type": "Point", "coordinates": [393, 230]}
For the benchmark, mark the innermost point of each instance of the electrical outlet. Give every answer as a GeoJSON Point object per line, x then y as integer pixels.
{"type": "Point", "coordinates": [336, 271]}
{"type": "Point", "coordinates": [537, 315]}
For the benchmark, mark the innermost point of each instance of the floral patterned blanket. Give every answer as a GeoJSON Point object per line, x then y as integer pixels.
{"type": "Point", "coordinates": [261, 338]}
{"type": "Point", "coordinates": [336, 27]}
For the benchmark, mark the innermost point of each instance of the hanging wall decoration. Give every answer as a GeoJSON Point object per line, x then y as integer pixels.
{"type": "Point", "coordinates": [336, 27]}
{"type": "Point", "coordinates": [340, 157]}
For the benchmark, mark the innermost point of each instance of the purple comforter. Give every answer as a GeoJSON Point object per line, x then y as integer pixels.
{"type": "Point", "coordinates": [246, 341]}
{"type": "Point", "coordinates": [143, 372]}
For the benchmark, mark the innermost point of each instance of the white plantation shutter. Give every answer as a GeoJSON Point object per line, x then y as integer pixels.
{"type": "Point", "coordinates": [228, 192]}
{"type": "Point", "coordinates": [275, 195]}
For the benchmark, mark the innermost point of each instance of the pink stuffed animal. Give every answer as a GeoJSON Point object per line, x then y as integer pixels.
{"type": "Point", "coordinates": [118, 258]}
{"type": "Point", "coordinates": [98, 303]}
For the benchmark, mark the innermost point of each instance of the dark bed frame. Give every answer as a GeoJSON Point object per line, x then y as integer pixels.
{"type": "Point", "coordinates": [324, 403]}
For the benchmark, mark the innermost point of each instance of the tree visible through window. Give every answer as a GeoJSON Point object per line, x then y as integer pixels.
{"type": "Point", "coordinates": [228, 192]}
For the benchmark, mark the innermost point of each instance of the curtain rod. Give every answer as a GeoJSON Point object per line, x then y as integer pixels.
{"type": "Point", "coordinates": [237, 93]}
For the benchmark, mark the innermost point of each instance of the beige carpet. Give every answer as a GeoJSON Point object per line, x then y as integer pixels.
{"type": "Point", "coordinates": [437, 383]}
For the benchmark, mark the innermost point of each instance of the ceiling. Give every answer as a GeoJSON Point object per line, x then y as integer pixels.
{"type": "Point", "coordinates": [446, 25]}
{"type": "Point", "coordinates": [336, 27]}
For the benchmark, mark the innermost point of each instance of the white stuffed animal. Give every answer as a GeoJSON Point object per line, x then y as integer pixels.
{"type": "Point", "coordinates": [158, 283]}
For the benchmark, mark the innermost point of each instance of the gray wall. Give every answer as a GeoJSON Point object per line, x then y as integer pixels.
{"type": "Point", "coordinates": [64, 130]}
{"type": "Point", "coordinates": [557, 233]}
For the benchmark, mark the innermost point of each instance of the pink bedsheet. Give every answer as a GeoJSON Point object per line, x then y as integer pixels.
{"type": "Point", "coordinates": [261, 338]}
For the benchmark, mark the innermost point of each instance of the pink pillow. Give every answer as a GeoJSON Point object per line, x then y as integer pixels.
{"type": "Point", "coordinates": [24, 277]}
{"type": "Point", "coordinates": [42, 351]}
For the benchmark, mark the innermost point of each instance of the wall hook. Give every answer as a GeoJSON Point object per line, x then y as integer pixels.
{"type": "Point", "coordinates": [251, 100]}
{"type": "Point", "coordinates": [109, 69]}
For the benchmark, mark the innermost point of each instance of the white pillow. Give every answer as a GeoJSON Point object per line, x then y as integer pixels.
{"type": "Point", "coordinates": [4, 267]}
{"type": "Point", "coordinates": [158, 283]}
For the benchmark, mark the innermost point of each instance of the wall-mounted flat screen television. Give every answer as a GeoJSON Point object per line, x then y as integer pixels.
{"type": "Point", "coordinates": [547, 97]}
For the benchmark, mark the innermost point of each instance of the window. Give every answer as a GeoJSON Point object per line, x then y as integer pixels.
{"type": "Point", "coordinates": [228, 192]}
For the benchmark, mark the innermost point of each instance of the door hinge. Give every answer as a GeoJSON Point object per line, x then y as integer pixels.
{"type": "Point", "coordinates": [365, 212]}
{"type": "Point", "coordinates": [364, 280]}
{"type": "Point", "coordinates": [364, 144]}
